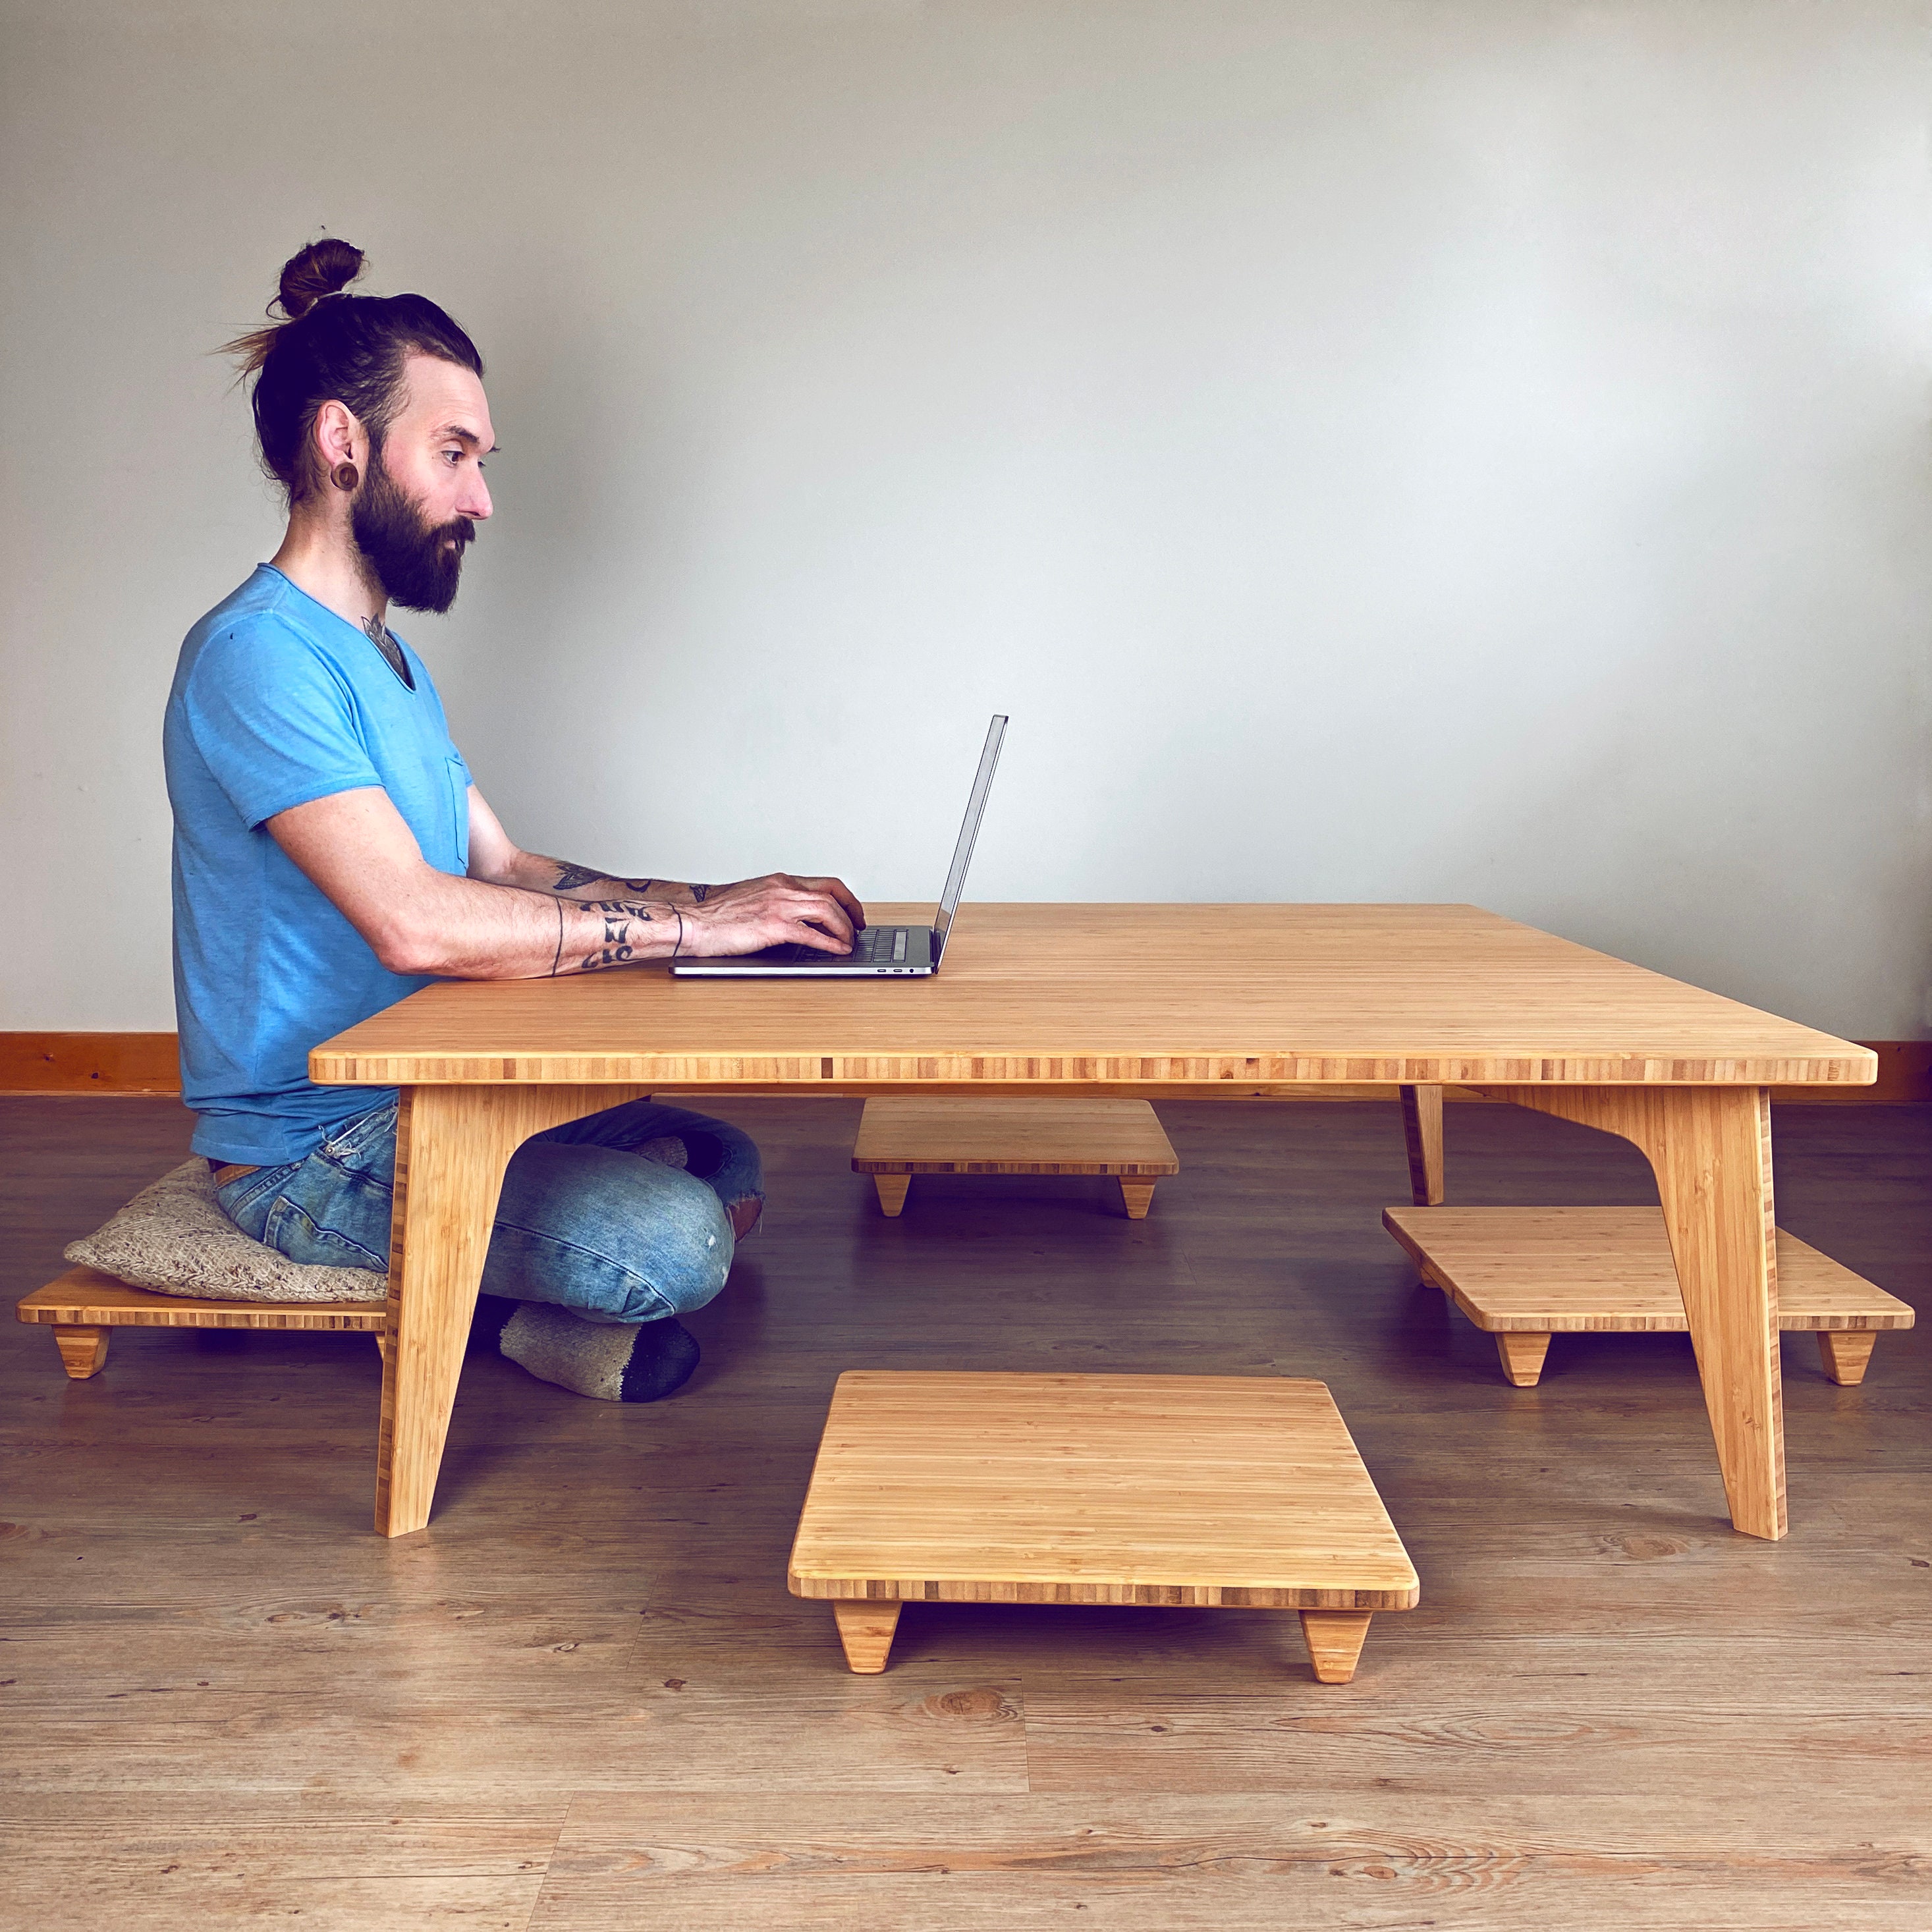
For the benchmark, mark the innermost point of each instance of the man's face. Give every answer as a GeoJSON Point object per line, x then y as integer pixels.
{"type": "Point", "coordinates": [418, 509]}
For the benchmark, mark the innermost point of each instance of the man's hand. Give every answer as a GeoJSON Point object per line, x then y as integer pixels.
{"type": "Point", "coordinates": [775, 911]}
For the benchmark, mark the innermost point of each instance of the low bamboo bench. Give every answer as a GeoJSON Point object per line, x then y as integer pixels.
{"type": "Point", "coordinates": [1524, 1274]}
{"type": "Point", "coordinates": [84, 1307]}
{"type": "Point", "coordinates": [1224, 1492]}
{"type": "Point", "coordinates": [900, 1138]}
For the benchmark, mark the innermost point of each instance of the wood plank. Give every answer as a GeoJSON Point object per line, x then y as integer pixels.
{"type": "Point", "coordinates": [1566, 1270]}
{"type": "Point", "coordinates": [1042, 1488]}
{"type": "Point", "coordinates": [76, 1901]}
{"type": "Point", "coordinates": [916, 1729]}
{"type": "Point", "coordinates": [1209, 1860]}
{"type": "Point", "coordinates": [1413, 995]}
{"type": "Point", "coordinates": [335, 1861]}
{"type": "Point", "coordinates": [915, 1134]}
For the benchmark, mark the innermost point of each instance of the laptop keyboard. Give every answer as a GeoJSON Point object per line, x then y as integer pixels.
{"type": "Point", "coordinates": [880, 945]}
{"type": "Point", "coordinates": [877, 945]}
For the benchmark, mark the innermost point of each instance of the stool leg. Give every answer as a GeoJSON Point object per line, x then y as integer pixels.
{"type": "Point", "coordinates": [892, 1193]}
{"type": "Point", "coordinates": [1847, 1353]}
{"type": "Point", "coordinates": [1522, 1355]}
{"type": "Point", "coordinates": [83, 1350]}
{"type": "Point", "coordinates": [1335, 1640]}
{"type": "Point", "coordinates": [865, 1627]}
{"type": "Point", "coordinates": [1136, 1197]}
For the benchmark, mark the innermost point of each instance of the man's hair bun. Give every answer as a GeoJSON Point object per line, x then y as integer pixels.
{"type": "Point", "coordinates": [324, 268]}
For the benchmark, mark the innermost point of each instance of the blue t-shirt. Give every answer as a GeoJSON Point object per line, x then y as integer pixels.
{"type": "Point", "coordinates": [277, 701]}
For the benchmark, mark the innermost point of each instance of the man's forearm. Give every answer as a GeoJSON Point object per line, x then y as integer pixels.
{"type": "Point", "coordinates": [475, 929]}
{"type": "Point", "coordinates": [534, 873]}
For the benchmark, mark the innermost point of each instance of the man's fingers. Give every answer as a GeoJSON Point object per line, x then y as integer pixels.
{"type": "Point", "coordinates": [822, 909]}
{"type": "Point", "coordinates": [846, 897]}
{"type": "Point", "coordinates": [821, 914]}
{"type": "Point", "coordinates": [811, 935]}
{"type": "Point", "coordinates": [837, 889]}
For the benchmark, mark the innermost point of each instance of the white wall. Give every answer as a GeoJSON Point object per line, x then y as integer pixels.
{"type": "Point", "coordinates": [1376, 449]}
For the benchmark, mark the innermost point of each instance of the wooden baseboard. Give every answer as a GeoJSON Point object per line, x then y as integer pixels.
{"type": "Point", "coordinates": [89, 1062]}
{"type": "Point", "coordinates": [147, 1063]}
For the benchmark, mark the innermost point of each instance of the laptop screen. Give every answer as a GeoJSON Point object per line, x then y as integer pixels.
{"type": "Point", "coordinates": [962, 853]}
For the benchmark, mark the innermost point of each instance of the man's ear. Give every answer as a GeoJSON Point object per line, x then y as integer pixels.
{"type": "Point", "coordinates": [338, 437]}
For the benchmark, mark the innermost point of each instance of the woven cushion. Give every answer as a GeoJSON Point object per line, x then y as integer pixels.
{"type": "Point", "coordinates": [173, 1238]}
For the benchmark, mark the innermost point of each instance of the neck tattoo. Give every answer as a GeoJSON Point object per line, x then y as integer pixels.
{"type": "Point", "coordinates": [378, 633]}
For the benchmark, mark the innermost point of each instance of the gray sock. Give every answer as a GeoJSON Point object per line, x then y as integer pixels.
{"type": "Point", "coordinates": [613, 1361]}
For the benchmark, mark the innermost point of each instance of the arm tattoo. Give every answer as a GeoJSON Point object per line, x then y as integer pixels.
{"type": "Point", "coordinates": [569, 878]}
{"type": "Point", "coordinates": [619, 915]}
{"type": "Point", "coordinates": [699, 894]}
{"type": "Point", "coordinates": [558, 960]}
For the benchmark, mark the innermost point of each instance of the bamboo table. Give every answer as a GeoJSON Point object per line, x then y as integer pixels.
{"type": "Point", "coordinates": [1175, 1000]}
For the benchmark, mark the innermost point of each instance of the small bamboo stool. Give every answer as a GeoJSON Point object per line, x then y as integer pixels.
{"type": "Point", "coordinates": [1223, 1491]}
{"type": "Point", "coordinates": [899, 1138]}
{"type": "Point", "coordinates": [1526, 1273]}
{"type": "Point", "coordinates": [85, 1305]}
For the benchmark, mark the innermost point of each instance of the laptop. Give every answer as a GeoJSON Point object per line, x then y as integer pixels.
{"type": "Point", "coordinates": [880, 951]}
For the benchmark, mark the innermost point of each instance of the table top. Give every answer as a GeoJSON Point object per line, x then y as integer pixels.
{"type": "Point", "coordinates": [955, 1486]}
{"type": "Point", "coordinates": [1044, 994]}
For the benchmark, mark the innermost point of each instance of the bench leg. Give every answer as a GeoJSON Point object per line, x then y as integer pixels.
{"type": "Point", "coordinates": [893, 1188]}
{"type": "Point", "coordinates": [865, 1627]}
{"type": "Point", "coordinates": [1422, 1128]}
{"type": "Point", "coordinates": [1847, 1353]}
{"type": "Point", "coordinates": [1335, 1640]}
{"type": "Point", "coordinates": [1522, 1355]}
{"type": "Point", "coordinates": [83, 1350]}
{"type": "Point", "coordinates": [1136, 1197]}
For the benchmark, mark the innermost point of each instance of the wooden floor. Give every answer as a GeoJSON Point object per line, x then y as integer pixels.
{"type": "Point", "coordinates": [583, 1699]}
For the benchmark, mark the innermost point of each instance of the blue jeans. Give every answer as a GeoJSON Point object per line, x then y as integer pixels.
{"type": "Point", "coordinates": [582, 1221]}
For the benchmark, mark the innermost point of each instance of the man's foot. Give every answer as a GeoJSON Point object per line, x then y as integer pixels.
{"type": "Point", "coordinates": [612, 1361]}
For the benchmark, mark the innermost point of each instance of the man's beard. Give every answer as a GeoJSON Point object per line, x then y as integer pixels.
{"type": "Point", "coordinates": [417, 566]}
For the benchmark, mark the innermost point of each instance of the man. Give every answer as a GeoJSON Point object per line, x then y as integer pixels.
{"type": "Point", "coordinates": [332, 856]}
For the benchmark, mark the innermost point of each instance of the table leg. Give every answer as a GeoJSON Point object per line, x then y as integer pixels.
{"type": "Point", "coordinates": [1710, 1148]}
{"type": "Point", "coordinates": [452, 1145]}
{"type": "Point", "coordinates": [1422, 1128]}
